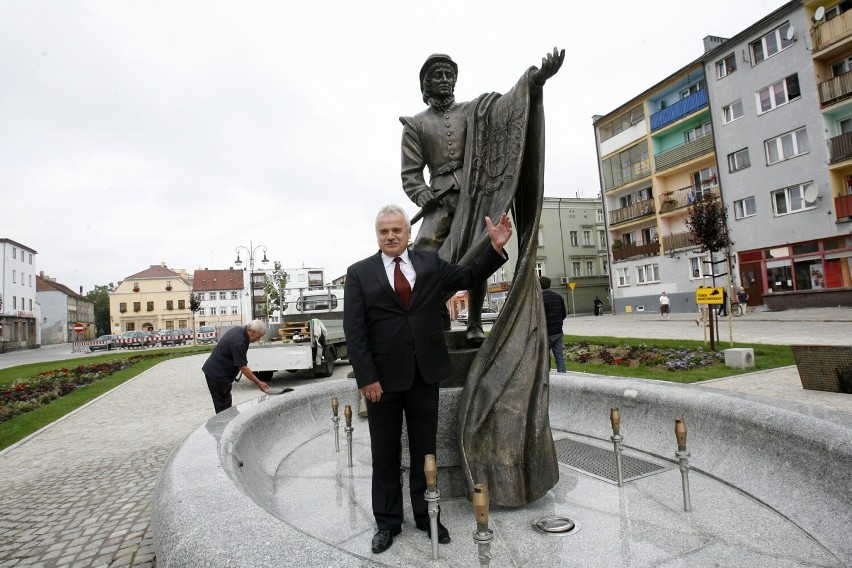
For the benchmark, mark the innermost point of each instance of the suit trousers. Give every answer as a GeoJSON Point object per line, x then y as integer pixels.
{"type": "Point", "coordinates": [419, 404]}
{"type": "Point", "coordinates": [220, 392]}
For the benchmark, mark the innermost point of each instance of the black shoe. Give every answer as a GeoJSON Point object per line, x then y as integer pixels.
{"type": "Point", "coordinates": [475, 335]}
{"type": "Point", "coordinates": [443, 533]}
{"type": "Point", "coordinates": [383, 539]}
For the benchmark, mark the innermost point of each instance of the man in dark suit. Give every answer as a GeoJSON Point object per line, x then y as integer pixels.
{"type": "Point", "coordinates": [397, 350]}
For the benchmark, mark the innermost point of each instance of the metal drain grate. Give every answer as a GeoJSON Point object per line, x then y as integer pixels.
{"type": "Point", "coordinates": [600, 462]}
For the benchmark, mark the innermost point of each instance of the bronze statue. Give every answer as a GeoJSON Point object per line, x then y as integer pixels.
{"type": "Point", "coordinates": [486, 157]}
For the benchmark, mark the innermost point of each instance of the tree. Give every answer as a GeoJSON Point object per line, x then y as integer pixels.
{"type": "Point", "coordinates": [100, 296]}
{"type": "Point", "coordinates": [708, 224]}
{"type": "Point", "coordinates": [708, 227]}
{"type": "Point", "coordinates": [194, 306]}
{"type": "Point", "coordinates": [276, 284]}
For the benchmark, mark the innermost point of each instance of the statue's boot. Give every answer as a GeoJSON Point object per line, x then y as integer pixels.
{"type": "Point", "coordinates": [475, 335]}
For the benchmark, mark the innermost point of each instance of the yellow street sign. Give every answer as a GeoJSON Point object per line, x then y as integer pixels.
{"type": "Point", "coordinates": [572, 284]}
{"type": "Point", "coordinates": [710, 296]}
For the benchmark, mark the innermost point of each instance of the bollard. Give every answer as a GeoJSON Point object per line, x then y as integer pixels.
{"type": "Point", "coordinates": [432, 496]}
{"type": "Point", "coordinates": [615, 420]}
{"type": "Point", "coordinates": [335, 419]}
{"type": "Point", "coordinates": [682, 456]}
{"type": "Point", "coordinates": [482, 536]}
{"type": "Point", "coordinates": [347, 414]}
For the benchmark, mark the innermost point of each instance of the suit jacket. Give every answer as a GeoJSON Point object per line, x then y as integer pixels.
{"type": "Point", "coordinates": [385, 340]}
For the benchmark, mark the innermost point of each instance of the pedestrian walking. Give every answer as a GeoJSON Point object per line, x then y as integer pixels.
{"type": "Point", "coordinates": [742, 298]}
{"type": "Point", "coordinates": [598, 306]}
{"type": "Point", "coordinates": [665, 306]}
{"type": "Point", "coordinates": [554, 313]}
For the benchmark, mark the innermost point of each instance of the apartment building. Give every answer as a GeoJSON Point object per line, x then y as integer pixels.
{"type": "Point", "coordinates": [153, 299]}
{"type": "Point", "coordinates": [61, 308]}
{"type": "Point", "coordinates": [224, 297]}
{"type": "Point", "coordinates": [744, 123]}
{"type": "Point", "coordinates": [19, 310]}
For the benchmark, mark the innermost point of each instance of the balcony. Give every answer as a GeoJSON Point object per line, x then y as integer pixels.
{"type": "Point", "coordinates": [843, 207]}
{"type": "Point", "coordinates": [831, 31]}
{"type": "Point", "coordinates": [631, 212]}
{"type": "Point", "coordinates": [840, 147]}
{"type": "Point", "coordinates": [635, 250]}
{"type": "Point", "coordinates": [835, 89]}
{"type": "Point", "coordinates": [686, 196]}
{"type": "Point", "coordinates": [678, 110]}
{"type": "Point", "coordinates": [684, 153]}
{"type": "Point", "coordinates": [677, 241]}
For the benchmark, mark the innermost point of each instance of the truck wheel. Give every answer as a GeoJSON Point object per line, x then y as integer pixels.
{"type": "Point", "coordinates": [326, 368]}
{"type": "Point", "coordinates": [264, 375]}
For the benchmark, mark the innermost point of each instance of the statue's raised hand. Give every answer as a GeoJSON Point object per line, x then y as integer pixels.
{"type": "Point", "coordinates": [550, 64]}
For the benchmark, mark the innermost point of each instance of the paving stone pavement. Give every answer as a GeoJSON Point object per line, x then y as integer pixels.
{"type": "Point", "coordinates": [78, 493]}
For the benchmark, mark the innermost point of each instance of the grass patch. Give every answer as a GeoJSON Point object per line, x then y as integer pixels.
{"type": "Point", "coordinates": [21, 426]}
{"type": "Point", "coordinates": [765, 357]}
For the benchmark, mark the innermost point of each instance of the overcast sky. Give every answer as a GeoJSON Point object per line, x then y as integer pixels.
{"type": "Point", "coordinates": [134, 133]}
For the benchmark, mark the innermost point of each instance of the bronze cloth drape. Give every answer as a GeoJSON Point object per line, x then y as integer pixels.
{"type": "Point", "coordinates": [504, 435]}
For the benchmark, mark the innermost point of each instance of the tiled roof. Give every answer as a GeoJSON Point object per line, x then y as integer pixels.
{"type": "Point", "coordinates": [45, 285]}
{"type": "Point", "coordinates": [208, 280]}
{"type": "Point", "coordinates": [155, 271]}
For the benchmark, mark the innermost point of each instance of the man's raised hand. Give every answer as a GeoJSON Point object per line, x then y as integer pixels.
{"type": "Point", "coordinates": [499, 233]}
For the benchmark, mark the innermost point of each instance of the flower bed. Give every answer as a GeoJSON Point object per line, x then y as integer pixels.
{"type": "Point", "coordinates": [26, 394]}
{"type": "Point", "coordinates": [679, 359]}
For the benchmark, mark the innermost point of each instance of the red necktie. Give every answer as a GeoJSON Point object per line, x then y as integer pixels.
{"type": "Point", "coordinates": [400, 283]}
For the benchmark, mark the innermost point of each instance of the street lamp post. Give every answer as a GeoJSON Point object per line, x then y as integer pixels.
{"type": "Point", "coordinates": [251, 251]}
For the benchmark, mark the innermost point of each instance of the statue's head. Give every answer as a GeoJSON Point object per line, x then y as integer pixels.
{"type": "Point", "coordinates": [438, 76]}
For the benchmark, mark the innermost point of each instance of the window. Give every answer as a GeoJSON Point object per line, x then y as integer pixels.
{"type": "Point", "coordinates": [234, 295]}
{"type": "Point", "coordinates": [590, 268]}
{"type": "Point", "coordinates": [605, 265]}
{"type": "Point", "coordinates": [201, 311]}
{"type": "Point", "coordinates": [223, 311]}
{"type": "Point", "coordinates": [223, 296]}
{"type": "Point", "coordinates": [122, 307]}
{"type": "Point", "coordinates": [137, 306]}
{"type": "Point", "coordinates": [621, 123]}
{"type": "Point", "coordinates": [692, 89]}
{"type": "Point", "coordinates": [182, 306]}
{"type": "Point", "coordinates": [791, 199]}
{"type": "Point", "coordinates": [234, 310]}
{"type": "Point", "coordinates": [31, 258]}
{"type": "Point", "coordinates": [778, 94]}
{"type": "Point", "coordinates": [841, 67]}
{"type": "Point", "coordinates": [600, 217]}
{"type": "Point", "coordinates": [732, 112]}
{"type": "Point", "coordinates": [14, 277]}
{"type": "Point", "coordinates": [14, 302]}
{"type": "Point", "coordinates": [573, 237]}
{"type": "Point", "coordinates": [726, 66]}
{"type": "Point", "coordinates": [150, 306]}
{"type": "Point", "coordinates": [170, 305]}
{"type": "Point", "coordinates": [745, 208]}
{"type": "Point", "coordinates": [601, 239]}
{"type": "Point", "coordinates": [539, 269]}
{"type": "Point", "coordinates": [770, 44]}
{"type": "Point", "coordinates": [15, 252]}
{"type": "Point", "coordinates": [623, 276]}
{"type": "Point", "coordinates": [575, 269]}
{"type": "Point", "coordinates": [629, 165]}
{"type": "Point", "coordinates": [587, 238]}
{"type": "Point", "coordinates": [786, 146]}
{"type": "Point", "coordinates": [211, 296]}
{"type": "Point", "coordinates": [698, 132]}
{"type": "Point", "coordinates": [738, 160]}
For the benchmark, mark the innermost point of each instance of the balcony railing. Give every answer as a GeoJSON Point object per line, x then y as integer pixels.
{"type": "Point", "coordinates": [679, 109]}
{"type": "Point", "coordinates": [843, 206]}
{"type": "Point", "coordinates": [635, 211]}
{"type": "Point", "coordinates": [686, 196]}
{"type": "Point", "coordinates": [840, 148]}
{"type": "Point", "coordinates": [831, 31]}
{"type": "Point", "coordinates": [684, 152]}
{"type": "Point", "coordinates": [835, 89]}
{"type": "Point", "coordinates": [677, 241]}
{"type": "Point", "coordinates": [634, 250]}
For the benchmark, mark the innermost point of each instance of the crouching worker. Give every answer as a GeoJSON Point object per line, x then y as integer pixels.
{"type": "Point", "coordinates": [229, 359]}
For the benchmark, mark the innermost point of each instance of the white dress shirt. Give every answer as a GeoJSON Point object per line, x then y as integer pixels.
{"type": "Point", "coordinates": [404, 265]}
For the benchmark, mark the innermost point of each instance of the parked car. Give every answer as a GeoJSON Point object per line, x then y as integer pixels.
{"type": "Point", "coordinates": [207, 334]}
{"type": "Point", "coordinates": [172, 337]}
{"type": "Point", "coordinates": [109, 343]}
{"type": "Point", "coordinates": [187, 332]}
{"type": "Point", "coordinates": [488, 315]}
{"type": "Point", "coordinates": [136, 338]}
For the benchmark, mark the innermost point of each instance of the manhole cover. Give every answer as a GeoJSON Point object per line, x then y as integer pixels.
{"type": "Point", "coordinates": [600, 462]}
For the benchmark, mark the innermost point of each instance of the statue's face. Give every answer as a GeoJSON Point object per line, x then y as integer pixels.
{"type": "Point", "coordinates": [442, 81]}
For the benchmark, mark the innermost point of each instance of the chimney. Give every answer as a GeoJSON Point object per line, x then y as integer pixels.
{"type": "Point", "coordinates": [81, 290]}
{"type": "Point", "coordinates": [712, 42]}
